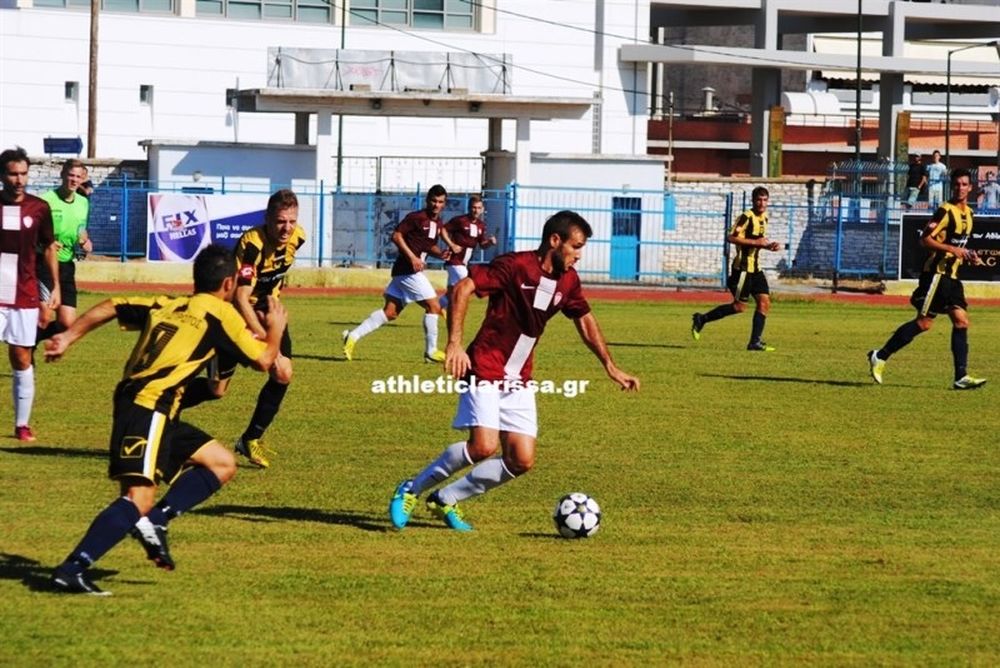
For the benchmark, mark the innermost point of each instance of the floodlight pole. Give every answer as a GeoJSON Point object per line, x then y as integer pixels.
{"type": "Point", "coordinates": [947, 98]}
{"type": "Point", "coordinates": [340, 116]}
{"type": "Point", "coordinates": [95, 7]}
{"type": "Point", "coordinates": [857, 96]}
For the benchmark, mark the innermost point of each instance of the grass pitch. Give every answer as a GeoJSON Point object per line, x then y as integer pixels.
{"type": "Point", "coordinates": [758, 508]}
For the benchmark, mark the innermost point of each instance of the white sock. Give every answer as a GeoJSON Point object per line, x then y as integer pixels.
{"type": "Point", "coordinates": [452, 459]}
{"type": "Point", "coordinates": [430, 332]}
{"type": "Point", "coordinates": [24, 395]}
{"type": "Point", "coordinates": [371, 323]}
{"type": "Point", "coordinates": [443, 301]}
{"type": "Point", "coordinates": [483, 477]}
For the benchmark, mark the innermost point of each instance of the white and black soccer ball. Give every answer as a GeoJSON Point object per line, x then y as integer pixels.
{"type": "Point", "coordinates": [577, 516]}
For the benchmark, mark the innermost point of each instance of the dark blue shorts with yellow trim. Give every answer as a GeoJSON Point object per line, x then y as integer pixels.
{"type": "Point", "coordinates": [147, 444]}
{"type": "Point", "coordinates": [743, 284]}
{"type": "Point", "coordinates": [937, 294]}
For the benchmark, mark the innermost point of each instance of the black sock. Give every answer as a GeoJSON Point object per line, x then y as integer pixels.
{"type": "Point", "coordinates": [900, 339]}
{"type": "Point", "coordinates": [960, 350]}
{"type": "Point", "coordinates": [197, 391]}
{"type": "Point", "coordinates": [759, 320]}
{"type": "Point", "coordinates": [720, 312]}
{"type": "Point", "coordinates": [191, 488]}
{"type": "Point", "coordinates": [268, 403]}
{"type": "Point", "coordinates": [53, 328]}
{"type": "Point", "coordinates": [107, 530]}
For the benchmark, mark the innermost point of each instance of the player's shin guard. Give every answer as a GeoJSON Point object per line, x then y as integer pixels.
{"type": "Point", "coordinates": [483, 477]}
{"type": "Point", "coordinates": [452, 459]}
{"type": "Point", "coordinates": [24, 395]}
{"type": "Point", "coordinates": [757, 331]}
{"type": "Point", "coordinates": [900, 339]}
{"type": "Point", "coordinates": [430, 332]}
{"type": "Point", "coordinates": [191, 488]}
{"type": "Point", "coordinates": [960, 350]}
{"type": "Point", "coordinates": [107, 530]}
{"type": "Point", "coordinates": [268, 402]}
{"type": "Point", "coordinates": [371, 323]}
{"type": "Point", "coordinates": [719, 312]}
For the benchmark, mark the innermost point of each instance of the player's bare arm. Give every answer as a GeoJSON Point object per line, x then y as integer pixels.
{"type": "Point", "coordinates": [241, 300]}
{"type": "Point", "coordinates": [456, 360]}
{"type": "Point", "coordinates": [397, 238]}
{"type": "Point", "coordinates": [962, 253]}
{"type": "Point", "coordinates": [590, 332]}
{"type": "Point", "coordinates": [52, 261]}
{"type": "Point", "coordinates": [275, 320]}
{"type": "Point", "coordinates": [451, 245]}
{"type": "Point", "coordinates": [57, 345]}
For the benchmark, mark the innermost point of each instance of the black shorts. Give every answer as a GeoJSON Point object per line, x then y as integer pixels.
{"type": "Point", "coordinates": [223, 366]}
{"type": "Point", "coordinates": [937, 293]}
{"type": "Point", "coordinates": [149, 445]}
{"type": "Point", "coordinates": [742, 284]}
{"type": "Point", "coordinates": [67, 281]}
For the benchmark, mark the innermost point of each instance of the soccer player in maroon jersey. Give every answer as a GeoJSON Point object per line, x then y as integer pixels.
{"type": "Point", "coordinates": [416, 237]}
{"type": "Point", "coordinates": [525, 291]}
{"type": "Point", "coordinates": [27, 225]}
{"type": "Point", "coordinates": [461, 235]}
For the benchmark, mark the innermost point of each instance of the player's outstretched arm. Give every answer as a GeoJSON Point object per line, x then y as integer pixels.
{"type": "Point", "coordinates": [404, 248]}
{"type": "Point", "coordinates": [456, 360]}
{"type": "Point", "coordinates": [56, 346]}
{"type": "Point", "coordinates": [591, 334]}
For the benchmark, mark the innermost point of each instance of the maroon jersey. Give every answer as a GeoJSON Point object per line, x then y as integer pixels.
{"type": "Point", "coordinates": [420, 232]}
{"type": "Point", "coordinates": [467, 232]}
{"type": "Point", "coordinates": [25, 225]}
{"type": "Point", "coordinates": [522, 300]}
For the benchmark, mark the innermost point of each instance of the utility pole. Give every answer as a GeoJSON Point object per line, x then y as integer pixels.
{"type": "Point", "coordinates": [95, 8]}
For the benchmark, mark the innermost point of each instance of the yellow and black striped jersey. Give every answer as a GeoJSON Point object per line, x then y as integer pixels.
{"type": "Point", "coordinates": [179, 336]}
{"type": "Point", "coordinates": [950, 225]}
{"type": "Point", "coordinates": [748, 226]}
{"type": "Point", "coordinates": [262, 264]}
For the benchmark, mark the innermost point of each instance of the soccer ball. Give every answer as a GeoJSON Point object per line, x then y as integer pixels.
{"type": "Point", "coordinates": [577, 516]}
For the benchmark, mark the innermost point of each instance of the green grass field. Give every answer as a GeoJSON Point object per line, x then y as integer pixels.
{"type": "Point", "coordinates": [758, 508]}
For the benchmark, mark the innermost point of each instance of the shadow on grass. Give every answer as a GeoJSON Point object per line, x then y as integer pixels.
{"type": "Point", "coordinates": [788, 379]}
{"type": "Point", "coordinates": [622, 344]}
{"type": "Point", "coordinates": [336, 357]}
{"type": "Point", "coordinates": [51, 451]}
{"type": "Point", "coordinates": [33, 575]}
{"type": "Point", "coordinates": [364, 521]}
{"type": "Point", "coordinates": [537, 535]}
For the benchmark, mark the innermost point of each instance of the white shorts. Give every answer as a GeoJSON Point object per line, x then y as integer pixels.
{"type": "Point", "coordinates": [456, 272]}
{"type": "Point", "coordinates": [19, 326]}
{"type": "Point", "coordinates": [506, 411]}
{"type": "Point", "coordinates": [411, 288]}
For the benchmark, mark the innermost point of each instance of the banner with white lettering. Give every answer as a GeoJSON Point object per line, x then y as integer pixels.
{"type": "Point", "coordinates": [179, 225]}
{"type": "Point", "coordinates": [985, 240]}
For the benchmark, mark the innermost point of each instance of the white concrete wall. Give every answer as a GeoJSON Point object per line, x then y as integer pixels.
{"type": "Point", "coordinates": [191, 61]}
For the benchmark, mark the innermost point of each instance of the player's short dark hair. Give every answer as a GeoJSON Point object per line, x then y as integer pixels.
{"type": "Point", "coordinates": [956, 174]}
{"type": "Point", "coordinates": [213, 265]}
{"type": "Point", "coordinates": [279, 201]}
{"type": "Point", "coordinates": [475, 198]}
{"type": "Point", "coordinates": [72, 163]}
{"type": "Point", "coordinates": [562, 222]}
{"type": "Point", "coordinates": [759, 190]}
{"type": "Point", "coordinates": [16, 154]}
{"type": "Point", "coordinates": [436, 191]}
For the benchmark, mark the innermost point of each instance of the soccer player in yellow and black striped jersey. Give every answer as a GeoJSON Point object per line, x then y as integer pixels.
{"type": "Point", "coordinates": [748, 236]}
{"type": "Point", "coordinates": [264, 254]}
{"type": "Point", "coordinates": [938, 290]}
{"type": "Point", "coordinates": [148, 442]}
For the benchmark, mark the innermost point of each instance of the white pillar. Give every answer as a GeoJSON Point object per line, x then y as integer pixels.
{"type": "Point", "coordinates": [325, 170]}
{"type": "Point", "coordinates": [522, 152]}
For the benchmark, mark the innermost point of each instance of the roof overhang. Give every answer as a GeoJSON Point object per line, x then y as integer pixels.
{"type": "Point", "coordinates": [411, 103]}
{"type": "Point", "coordinates": [801, 60]}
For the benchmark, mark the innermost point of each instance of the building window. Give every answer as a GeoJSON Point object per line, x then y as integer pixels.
{"type": "Point", "coordinates": [424, 14]}
{"type": "Point", "coordinates": [71, 91]}
{"type": "Point", "coordinates": [153, 6]}
{"type": "Point", "coordinates": [146, 94]}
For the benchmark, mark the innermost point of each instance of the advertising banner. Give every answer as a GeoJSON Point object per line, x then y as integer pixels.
{"type": "Point", "coordinates": [179, 224]}
{"type": "Point", "coordinates": [985, 240]}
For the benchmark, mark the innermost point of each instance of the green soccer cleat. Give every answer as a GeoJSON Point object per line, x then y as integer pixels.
{"type": "Point", "coordinates": [968, 382]}
{"type": "Point", "coordinates": [697, 324]}
{"type": "Point", "coordinates": [402, 504]}
{"type": "Point", "coordinates": [760, 347]}
{"type": "Point", "coordinates": [876, 366]}
{"type": "Point", "coordinates": [255, 451]}
{"type": "Point", "coordinates": [451, 515]}
{"type": "Point", "coordinates": [434, 357]}
{"type": "Point", "coordinates": [349, 343]}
